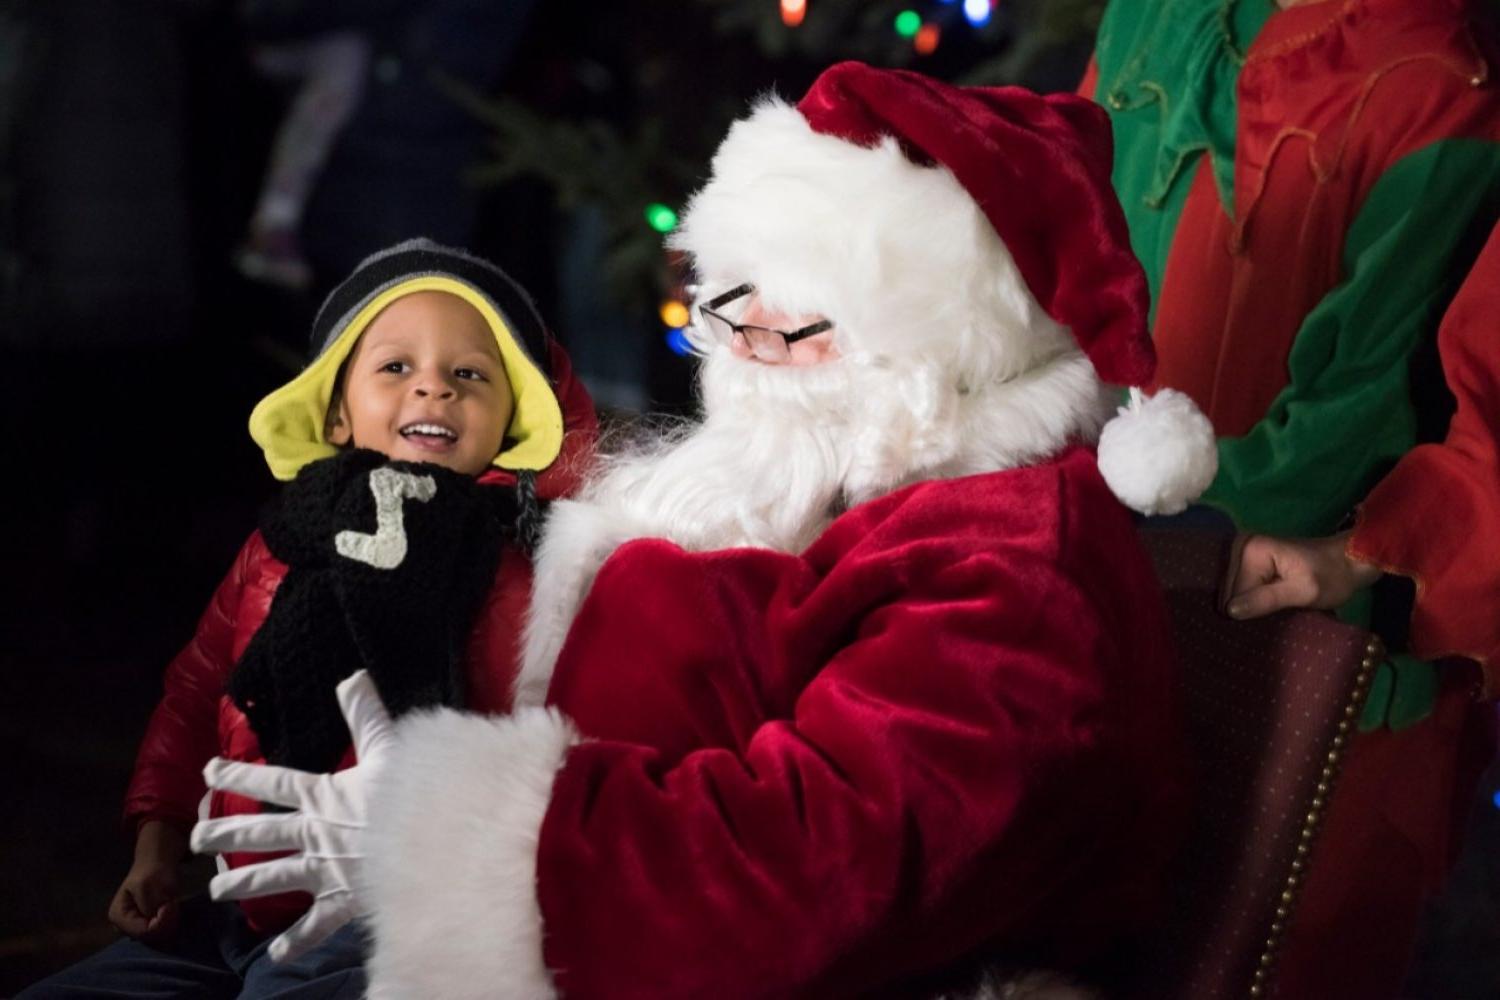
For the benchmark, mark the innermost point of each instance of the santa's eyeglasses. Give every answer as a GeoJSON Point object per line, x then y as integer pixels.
{"type": "Point", "coordinates": [764, 342]}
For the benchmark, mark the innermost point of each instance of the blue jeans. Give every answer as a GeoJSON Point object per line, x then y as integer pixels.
{"type": "Point", "coordinates": [213, 955]}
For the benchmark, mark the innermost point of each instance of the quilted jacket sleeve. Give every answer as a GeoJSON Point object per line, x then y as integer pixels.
{"type": "Point", "coordinates": [182, 734]}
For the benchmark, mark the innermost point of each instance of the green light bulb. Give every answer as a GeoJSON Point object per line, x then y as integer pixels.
{"type": "Point", "coordinates": [908, 23]}
{"type": "Point", "coordinates": [661, 218]}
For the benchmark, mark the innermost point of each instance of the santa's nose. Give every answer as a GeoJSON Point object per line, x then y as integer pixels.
{"type": "Point", "coordinates": [739, 347]}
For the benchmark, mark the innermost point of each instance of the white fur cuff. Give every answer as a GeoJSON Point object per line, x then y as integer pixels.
{"type": "Point", "coordinates": [454, 825]}
{"type": "Point", "coordinates": [576, 540]}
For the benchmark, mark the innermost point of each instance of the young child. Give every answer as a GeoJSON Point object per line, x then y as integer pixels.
{"type": "Point", "coordinates": [435, 416]}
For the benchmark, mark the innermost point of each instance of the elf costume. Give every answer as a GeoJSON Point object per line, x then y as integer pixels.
{"type": "Point", "coordinates": [1306, 188]}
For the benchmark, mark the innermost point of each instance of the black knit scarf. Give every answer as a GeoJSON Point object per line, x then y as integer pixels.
{"type": "Point", "coordinates": [388, 562]}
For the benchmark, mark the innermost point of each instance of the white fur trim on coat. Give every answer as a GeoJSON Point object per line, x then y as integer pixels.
{"type": "Point", "coordinates": [576, 539]}
{"type": "Point", "coordinates": [1030, 418]}
{"type": "Point", "coordinates": [452, 881]}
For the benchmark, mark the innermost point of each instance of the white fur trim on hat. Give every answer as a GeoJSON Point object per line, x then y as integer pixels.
{"type": "Point", "coordinates": [1159, 454]}
{"type": "Point", "coordinates": [455, 823]}
{"type": "Point", "coordinates": [897, 254]}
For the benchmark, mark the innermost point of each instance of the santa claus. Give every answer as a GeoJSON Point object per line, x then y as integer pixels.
{"type": "Point", "coordinates": [860, 676]}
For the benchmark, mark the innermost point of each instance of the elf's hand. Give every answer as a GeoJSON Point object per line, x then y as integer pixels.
{"type": "Point", "coordinates": [1274, 573]}
{"type": "Point", "coordinates": [327, 828]}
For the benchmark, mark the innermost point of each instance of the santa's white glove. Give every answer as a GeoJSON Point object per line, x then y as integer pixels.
{"type": "Point", "coordinates": [327, 829]}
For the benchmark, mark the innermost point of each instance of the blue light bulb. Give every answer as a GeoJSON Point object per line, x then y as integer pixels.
{"type": "Point", "coordinates": [678, 343]}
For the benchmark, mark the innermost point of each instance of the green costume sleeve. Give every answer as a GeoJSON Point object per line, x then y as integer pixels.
{"type": "Point", "coordinates": [1167, 71]}
{"type": "Point", "coordinates": [1346, 415]}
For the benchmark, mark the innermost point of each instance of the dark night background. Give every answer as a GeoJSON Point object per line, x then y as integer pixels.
{"type": "Point", "coordinates": [134, 135]}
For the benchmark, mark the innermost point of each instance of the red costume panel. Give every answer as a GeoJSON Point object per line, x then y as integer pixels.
{"type": "Point", "coordinates": [1436, 518]}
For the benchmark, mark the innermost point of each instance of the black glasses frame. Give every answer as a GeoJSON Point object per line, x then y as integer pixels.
{"type": "Point", "coordinates": [711, 307]}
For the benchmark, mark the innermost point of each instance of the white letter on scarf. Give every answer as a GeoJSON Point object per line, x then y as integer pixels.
{"type": "Point", "coordinates": [387, 547]}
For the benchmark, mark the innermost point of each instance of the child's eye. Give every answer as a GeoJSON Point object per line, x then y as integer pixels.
{"type": "Point", "coordinates": [472, 374]}
{"type": "Point", "coordinates": [394, 367]}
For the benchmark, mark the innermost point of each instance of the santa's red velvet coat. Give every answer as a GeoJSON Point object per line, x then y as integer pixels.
{"type": "Point", "coordinates": [949, 723]}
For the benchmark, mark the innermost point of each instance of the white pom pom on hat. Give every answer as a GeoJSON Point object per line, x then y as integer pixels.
{"type": "Point", "coordinates": [1158, 454]}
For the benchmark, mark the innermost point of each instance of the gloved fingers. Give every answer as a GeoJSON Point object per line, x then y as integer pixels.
{"type": "Point", "coordinates": [298, 873]}
{"type": "Point", "coordinates": [263, 832]}
{"type": "Point", "coordinates": [266, 782]}
{"type": "Point", "coordinates": [327, 915]}
{"type": "Point", "coordinates": [369, 722]}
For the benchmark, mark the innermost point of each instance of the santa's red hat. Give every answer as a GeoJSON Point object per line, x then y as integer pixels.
{"type": "Point", "coordinates": [975, 226]}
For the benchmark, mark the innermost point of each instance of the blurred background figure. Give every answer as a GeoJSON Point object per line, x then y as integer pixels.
{"type": "Point", "coordinates": [373, 147]}
{"type": "Point", "coordinates": [329, 74]}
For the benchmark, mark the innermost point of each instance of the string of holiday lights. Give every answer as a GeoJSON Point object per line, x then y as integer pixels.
{"type": "Point", "coordinates": [924, 32]}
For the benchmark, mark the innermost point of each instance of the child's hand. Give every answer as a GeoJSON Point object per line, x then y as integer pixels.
{"type": "Point", "coordinates": [1275, 573]}
{"type": "Point", "coordinates": [145, 905]}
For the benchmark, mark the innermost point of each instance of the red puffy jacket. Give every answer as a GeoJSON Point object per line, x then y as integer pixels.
{"type": "Point", "coordinates": [196, 720]}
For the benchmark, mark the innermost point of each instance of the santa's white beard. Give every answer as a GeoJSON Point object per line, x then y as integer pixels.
{"type": "Point", "coordinates": [780, 451]}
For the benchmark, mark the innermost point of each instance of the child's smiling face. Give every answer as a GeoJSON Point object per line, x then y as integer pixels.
{"type": "Point", "coordinates": [425, 383]}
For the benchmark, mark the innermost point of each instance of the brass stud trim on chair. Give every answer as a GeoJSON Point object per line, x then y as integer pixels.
{"type": "Point", "coordinates": [1293, 880]}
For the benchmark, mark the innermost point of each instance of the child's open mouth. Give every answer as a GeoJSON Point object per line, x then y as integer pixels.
{"type": "Point", "coordinates": [429, 436]}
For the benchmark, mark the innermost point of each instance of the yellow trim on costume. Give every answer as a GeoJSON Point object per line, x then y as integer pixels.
{"type": "Point", "coordinates": [289, 424]}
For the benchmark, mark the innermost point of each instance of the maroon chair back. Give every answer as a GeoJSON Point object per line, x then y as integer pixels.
{"type": "Point", "coordinates": [1271, 705]}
